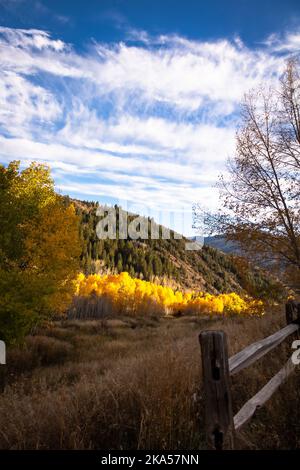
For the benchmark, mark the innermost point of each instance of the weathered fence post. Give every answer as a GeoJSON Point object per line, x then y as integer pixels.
{"type": "Point", "coordinates": [218, 406]}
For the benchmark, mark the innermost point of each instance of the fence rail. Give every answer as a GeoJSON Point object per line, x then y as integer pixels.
{"type": "Point", "coordinates": [221, 425]}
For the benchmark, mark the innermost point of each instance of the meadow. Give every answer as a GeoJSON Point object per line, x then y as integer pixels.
{"type": "Point", "coordinates": [124, 382]}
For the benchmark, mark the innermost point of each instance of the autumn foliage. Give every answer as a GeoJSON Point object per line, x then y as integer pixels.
{"type": "Point", "coordinates": [39, 249]}
{"type": "Point", "coordinates": [134, 296]}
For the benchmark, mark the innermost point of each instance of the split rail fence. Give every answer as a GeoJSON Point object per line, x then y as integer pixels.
{"type": "Point", "coordinates": [221, 425]}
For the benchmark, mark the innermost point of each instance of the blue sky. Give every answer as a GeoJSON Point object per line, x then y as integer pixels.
{"type": "Point", "coordinates": [136, 101]}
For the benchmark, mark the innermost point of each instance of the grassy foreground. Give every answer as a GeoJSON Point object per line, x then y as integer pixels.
{"type": "Point", "coordinates": [135, 383]}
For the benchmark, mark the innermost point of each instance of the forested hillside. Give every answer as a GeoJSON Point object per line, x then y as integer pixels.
{"type": "Point", "coordinates": [206, 269]}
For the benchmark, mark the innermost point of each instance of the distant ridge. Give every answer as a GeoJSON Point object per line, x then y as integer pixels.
{"type": "Point", "coordinates": [219, 242]}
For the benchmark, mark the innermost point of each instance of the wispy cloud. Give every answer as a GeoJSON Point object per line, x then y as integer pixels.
{"type": "Point", "coordinates": [287, 43]}
{"type": "Point", "coordinates": [154, 115]}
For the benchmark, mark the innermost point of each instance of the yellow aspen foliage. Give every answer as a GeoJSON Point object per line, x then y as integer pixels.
{"type": "Point", "coordinates": [134, 296]}
{"type": "Point", "coordinates": [39, 249]}
{"type": "Point", "coordinates": [52, 249]}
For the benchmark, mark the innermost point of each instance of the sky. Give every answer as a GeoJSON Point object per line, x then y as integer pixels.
{"type": "Point", "coordinates": [136, 102]}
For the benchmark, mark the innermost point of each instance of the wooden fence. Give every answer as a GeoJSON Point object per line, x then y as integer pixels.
{"type": "Point", "coordinates": [221, 425]}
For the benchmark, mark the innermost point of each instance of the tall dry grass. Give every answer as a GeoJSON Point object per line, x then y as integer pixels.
{"type": "Point", "coordinates": [136, 384]}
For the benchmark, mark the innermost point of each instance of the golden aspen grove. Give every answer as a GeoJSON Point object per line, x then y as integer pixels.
{"type": "Point", "coordinates": [135, 296]}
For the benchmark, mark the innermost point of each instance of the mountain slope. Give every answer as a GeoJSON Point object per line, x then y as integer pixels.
{"type": "Point", "coordinates": [221, 243]}
{"type": "Point", "coordinates": [207, 269]}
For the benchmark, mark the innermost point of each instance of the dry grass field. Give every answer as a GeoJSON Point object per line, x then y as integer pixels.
{"type": "Point", "coordinates": [135, 383]}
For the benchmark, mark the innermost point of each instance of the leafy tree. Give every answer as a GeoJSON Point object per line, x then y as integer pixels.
{"type": "Point", "coordinates": [262, 194]}
{"type": "Point", "coordinates": [39, 249]}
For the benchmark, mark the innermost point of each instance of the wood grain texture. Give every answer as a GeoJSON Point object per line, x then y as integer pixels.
{"type": "Point", "coordinates": [258, 400]}
{"type": "Point", "coordinates": [218, 406]}
{"type": "Point", "coordinates": [255, 351]}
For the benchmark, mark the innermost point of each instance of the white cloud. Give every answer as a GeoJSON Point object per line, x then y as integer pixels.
{"type": "Point", "coordinates": [153, 136]}
{"type": "Point", "coordinates": [182, 73]}
{"type": "Point", "coordinates": [290, 42]}
{"type": "Point", "coordinates": [31, 38]}
{"type": "Point", "coordinates": [152, 122]}
{"type": "Point", "coordinates": [98, 163]}
{"type": "Point", "coordinates": [21, 102]}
